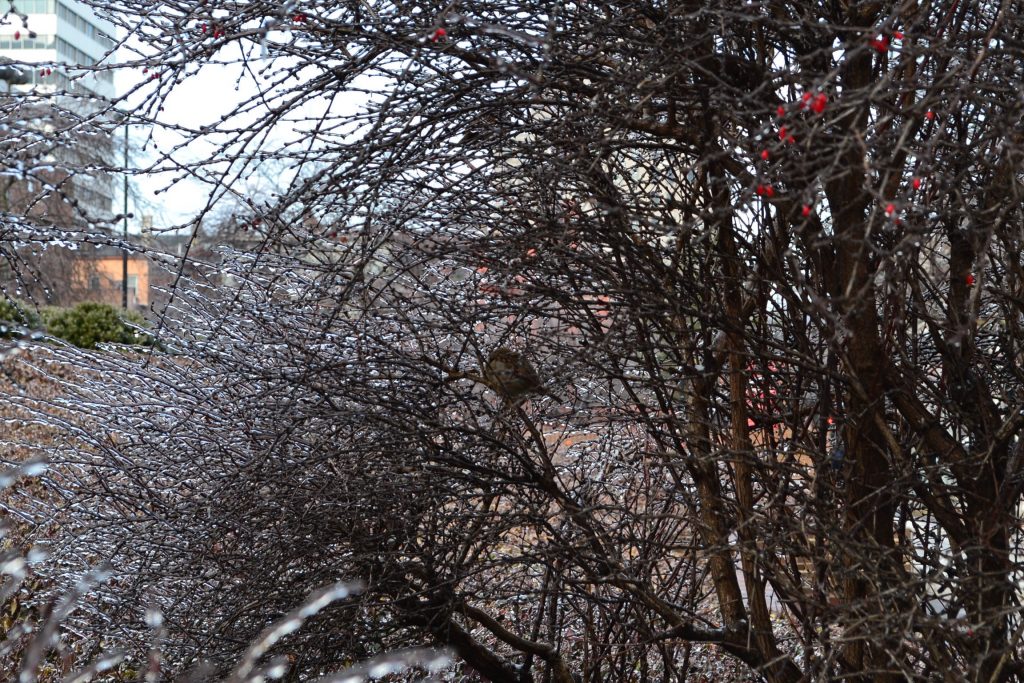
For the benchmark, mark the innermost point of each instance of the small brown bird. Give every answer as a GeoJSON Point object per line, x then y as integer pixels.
{"type": "Point", "coordinates": [511, 375]}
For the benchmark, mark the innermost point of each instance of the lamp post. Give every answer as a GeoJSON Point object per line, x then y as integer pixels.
{"type": "Point", "coordinates": [124, 252]}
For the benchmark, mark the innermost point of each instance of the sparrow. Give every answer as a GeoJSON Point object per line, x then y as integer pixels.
{"type": "Point", "coordinates": [511, 375]}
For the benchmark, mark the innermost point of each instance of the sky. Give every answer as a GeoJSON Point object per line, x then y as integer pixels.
{"type": "Point", "coordinates": [200, 99]}
{"type": "Point", "coordinates": [216, 89]}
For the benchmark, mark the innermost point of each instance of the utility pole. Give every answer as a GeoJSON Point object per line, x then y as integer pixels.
{"type": "Point", "coordinates": [124, 251]}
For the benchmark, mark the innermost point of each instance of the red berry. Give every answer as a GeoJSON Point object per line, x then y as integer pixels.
{"type": "Point", "coordinates": [790, 139]}
{"type": "Point", "coordinates": [759, 190]}
{"type": "Point", "coordinates": [145, 69]}
{"type": "Point", "coordinates": [299, 18]}
{"type": "Point", "coordinates": [929, 115]}
{"type": "Point", "coordinates": [17, 35]}
{"type": "Point", "coordinates": [781, 111]}
{"type": "Point", "coordinates": [764, 154]}
{"type": "Point", "coordinates": [439, 34]}
{"type": "Point", "coordinates": [970, 280]}
{"type": "Point", "coordinates": [782, 133]}
{"type": "Point", "coordinates": [916, 183]}
{"type": "Point", "coordinates": [769, 191]}
{"type": "Point", "coordinates": [819, 103]}
{"type": "Point", "coordinates": [880, 44]}
{"type": "Point", "coordinates": [898, 35]}
{"type": "Point", "coordinates": [805, 211]}
{"type": "Point", "coordinates": [890, 209]}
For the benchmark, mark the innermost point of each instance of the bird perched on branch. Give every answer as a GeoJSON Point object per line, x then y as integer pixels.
{"type": "Point", "coordinates": [507, 373]}
{"type": "Point", "coordinates": [511, 375]}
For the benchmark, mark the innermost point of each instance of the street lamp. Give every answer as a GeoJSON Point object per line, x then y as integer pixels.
{"type": "Point", "coordinates": [125, 119]}
{"type": "Point", "coordinates": [124, 252]}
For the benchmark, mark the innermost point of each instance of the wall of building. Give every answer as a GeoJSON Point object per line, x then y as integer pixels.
{"type": "Point", "coordinates": [67, 35]}
{"type": "Point", "coordinates": [99, 279]}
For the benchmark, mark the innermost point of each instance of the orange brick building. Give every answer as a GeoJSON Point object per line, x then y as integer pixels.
{"type": "Point", "coordinates": [98, 276]}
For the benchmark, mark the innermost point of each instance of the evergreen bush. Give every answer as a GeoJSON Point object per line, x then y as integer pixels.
{"type": "Point", "coordinates": [88, 324]}
{"type": "Point", "coordinates": [17, 319]}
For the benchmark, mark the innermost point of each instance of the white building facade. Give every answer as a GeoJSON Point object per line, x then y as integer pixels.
{"type": "Point", "coordinates": [60, 35]}
{"type": "Point", "coordinates": [62, 46]}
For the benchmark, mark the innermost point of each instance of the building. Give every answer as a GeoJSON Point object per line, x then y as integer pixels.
{"type": "Point", "coordinates": [49, 41]}
{"type": "Point", "coordinates": [98, 276]}
{"type": "Point", "coordinates": [62, 35]}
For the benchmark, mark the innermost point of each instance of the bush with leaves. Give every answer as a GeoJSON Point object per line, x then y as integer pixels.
{"type": "Point", "coordinates": [88, 324]}
{"type": "Point", "coordinates": [18, 319]}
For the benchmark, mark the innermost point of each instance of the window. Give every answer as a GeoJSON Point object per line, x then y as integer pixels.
{"type": "Point", "coordinates": [83, 25]}
{"type": "Point", "coordinates": [40, 42]}
{"type": "Point", "coordinates": [62, 82]}
{"type": "Point", "coordinates": [79, 58]}
{"type": "Point", "coordinates": [35, 6]}
{"type": "Point", "coordinates": [94, 283]}
{"type": "Point", "coordinates": [93, 196]}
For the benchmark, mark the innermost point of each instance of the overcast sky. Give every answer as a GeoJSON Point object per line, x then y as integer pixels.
{"type": "Point", "coordinates": [201, 99]}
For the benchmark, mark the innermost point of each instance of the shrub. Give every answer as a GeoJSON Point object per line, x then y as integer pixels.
{"type": "Point", "coordinates": [89, 324]}
{"type": "Point", "coordinates": [43, 654]}
{"type": "Point", "coordinates": [17, 319]}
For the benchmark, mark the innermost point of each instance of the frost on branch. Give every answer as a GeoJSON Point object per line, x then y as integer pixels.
{"type": "Point", "coordinates": [782, 438]}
